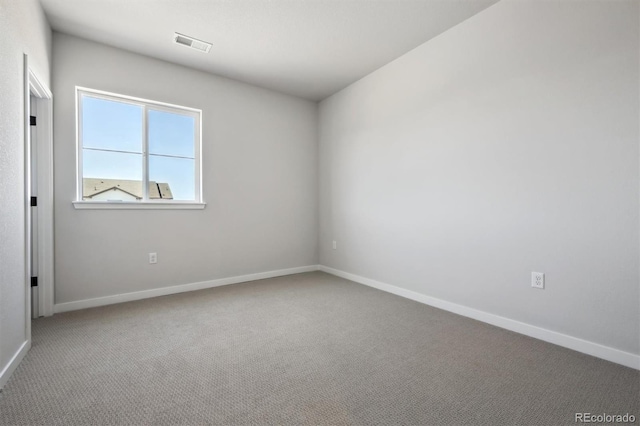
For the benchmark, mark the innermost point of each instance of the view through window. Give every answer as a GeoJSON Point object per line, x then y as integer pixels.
{"type": "Point", "coordinates": [137, 150]}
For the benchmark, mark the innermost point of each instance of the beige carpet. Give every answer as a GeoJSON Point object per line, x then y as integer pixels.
{"type": "Point", "coordinates": [304, 349]}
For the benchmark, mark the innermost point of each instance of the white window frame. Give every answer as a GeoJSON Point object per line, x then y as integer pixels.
{"type": "Point", "coordinates": [145, 203]}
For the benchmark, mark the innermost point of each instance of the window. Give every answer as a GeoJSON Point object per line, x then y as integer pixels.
{"type": "Point", "coordinates": [136, 153]}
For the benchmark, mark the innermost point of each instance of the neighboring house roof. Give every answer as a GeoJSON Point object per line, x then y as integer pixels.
{"type": "Point", "coordinates": [165, 191]}
{"type": "Point", "coordinates": [94, 186]}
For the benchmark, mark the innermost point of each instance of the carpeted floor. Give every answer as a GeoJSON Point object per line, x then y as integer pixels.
{"type": "Point", "coordinates": [304, 349]}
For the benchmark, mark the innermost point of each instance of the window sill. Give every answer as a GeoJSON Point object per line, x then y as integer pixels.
{"type": "Point", "coordinates": [137, 205]}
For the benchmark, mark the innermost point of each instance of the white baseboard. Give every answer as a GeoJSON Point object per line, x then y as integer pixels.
{"type": "Point", "coordinates": [577, 344]}
{"type": "Point", "coordinates": [13, 363]}
{"type": "Point", "coordinates": [580, 345]}
{"type": "Point", "coordinates": [163, 291]}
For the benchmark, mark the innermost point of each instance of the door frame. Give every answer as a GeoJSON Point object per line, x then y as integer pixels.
{"type": "Point", "coordinates": [43, 106]}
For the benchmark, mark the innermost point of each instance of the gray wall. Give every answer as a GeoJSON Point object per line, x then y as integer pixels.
{"type": "Point", "coordinates": [23, 29]}
{"type": "Point", "coordinates": [506, 145]}
{"type": "Point", "coordinates": [260, 181]}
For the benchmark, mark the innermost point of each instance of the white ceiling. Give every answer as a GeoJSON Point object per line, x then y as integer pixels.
{"type": "Point", "coordinates": [306, 48]}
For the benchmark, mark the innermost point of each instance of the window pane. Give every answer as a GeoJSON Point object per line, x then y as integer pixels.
{"type": "Point", "coordinates": [111, 125]}
{"type": "Point", "coordinates": [171, 134]}
{"type": "Point", "coordinates": [111, 175]}
{"type": "Point", "coordinates": [175, 177]}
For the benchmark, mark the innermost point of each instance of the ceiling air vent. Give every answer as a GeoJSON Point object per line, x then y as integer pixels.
{"type": "Point", "coordinates": [191, 42]}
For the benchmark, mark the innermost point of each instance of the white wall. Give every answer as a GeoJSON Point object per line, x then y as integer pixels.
{"type": "Point", "coordinates": [260, 181]}
{"type": "Point", "coordinates": [23, 29]}
{"type": "Point", "coordinates": [506, 145]}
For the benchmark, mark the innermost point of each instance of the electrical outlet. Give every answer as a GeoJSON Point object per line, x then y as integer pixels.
{"type": "Point", "coordinates": [335, 245]}
{"type": "Point", "coordinates": [537, 280]}
{"type": "Point", "coordinates": [153, 258]}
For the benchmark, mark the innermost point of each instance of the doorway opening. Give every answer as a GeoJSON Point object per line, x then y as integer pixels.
{"type": "Point", "coordinates": [39, 197]}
